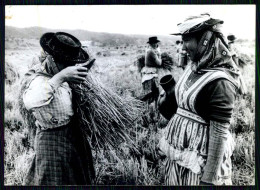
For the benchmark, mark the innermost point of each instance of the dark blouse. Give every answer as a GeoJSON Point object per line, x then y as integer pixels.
{"type": "Point", "coordinates": [152, 59]}
{"type": "Point", "coordinates": [214, 102]}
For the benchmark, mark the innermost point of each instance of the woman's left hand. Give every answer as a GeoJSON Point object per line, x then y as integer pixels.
{"type": "Point", "coordinates": [162, 147]}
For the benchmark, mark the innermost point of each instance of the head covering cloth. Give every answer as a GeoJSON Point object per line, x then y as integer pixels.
{"type": "Point", "coordinates": [212, 51]}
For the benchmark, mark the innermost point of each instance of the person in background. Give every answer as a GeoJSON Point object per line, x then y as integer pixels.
{"type": "Point", "coordinates": [197, 142]}
{"type": "Point", "coordinates": [179, 45]}
{"type": "Point", "coordinates": [238, 61]}
{"type": "Point", "coordinates": [233, 50]}
{"type": "Point", "coordinates": [61, 157]}
{"type": "Point", "coordinates": [231, 39]}
{"type": "Point", "coordinates": [149, 74]}
{"type": "Point", "coordinates": [181, 55]}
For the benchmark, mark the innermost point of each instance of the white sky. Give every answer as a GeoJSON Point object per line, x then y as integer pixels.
{"type": "Point", "coordinates": [130, 19]}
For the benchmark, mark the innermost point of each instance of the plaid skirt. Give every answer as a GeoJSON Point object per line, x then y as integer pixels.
{"type": "Point", "coordinates": [61, 158]}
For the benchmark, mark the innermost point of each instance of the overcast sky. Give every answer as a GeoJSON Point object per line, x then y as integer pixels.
{"type": "Point", "coordinates": [131, 19]}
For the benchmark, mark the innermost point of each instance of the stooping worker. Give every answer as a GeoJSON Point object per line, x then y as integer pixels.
{"type": "Point", "coordinates": [61, 155]}
{"type": "Point", "coordinates": [197, 141]}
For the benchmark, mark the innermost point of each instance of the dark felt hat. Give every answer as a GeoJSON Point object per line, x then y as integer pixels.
{"type": "Point", "coordinates": [64, 47]}
{"type": "Point", "coordinates": [153, 40]}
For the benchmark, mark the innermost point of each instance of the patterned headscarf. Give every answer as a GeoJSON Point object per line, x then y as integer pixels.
{"type": "Point", "coordinates": [43, 64]}
{"type": "Point", "coordinates": [213, 54]}
{"type": "Point", "coordinates": [212, 51]}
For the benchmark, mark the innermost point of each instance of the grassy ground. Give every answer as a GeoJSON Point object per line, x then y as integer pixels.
{"type": "Point", "coordinates": [115, 67]}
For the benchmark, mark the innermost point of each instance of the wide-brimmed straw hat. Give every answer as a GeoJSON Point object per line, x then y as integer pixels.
{"type": "Point", "coordinates": [196, 23]}
{"type": "Point", "coordinates": [153, 40]}
{"type": "Point", "coordinates": [64, 47]}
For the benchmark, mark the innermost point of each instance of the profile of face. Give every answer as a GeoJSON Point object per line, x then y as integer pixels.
{"type": "Point", "coordinates": [190, 45]}
{"type": "Point", "coordinates": [62, 65]}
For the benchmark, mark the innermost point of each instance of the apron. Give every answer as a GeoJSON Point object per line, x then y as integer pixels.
{"type": "Point", "coordinates": [188, 135]}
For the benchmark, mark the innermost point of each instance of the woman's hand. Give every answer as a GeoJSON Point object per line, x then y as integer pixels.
{"type": "Point", "coordinates": [162, 147]}
{"type": "Point", "coordinates": [75, 74]}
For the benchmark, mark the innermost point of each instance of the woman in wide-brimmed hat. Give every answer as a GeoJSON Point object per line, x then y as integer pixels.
{"type": "Point", "coordinates": [61, 155]}
{"type": "Point", "coordinates": [197, 143]}
{"type": "Point", "coordinates": [149, 72]}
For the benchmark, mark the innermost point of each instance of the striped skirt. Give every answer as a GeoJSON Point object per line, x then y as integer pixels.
{"type": "Point", "coordinates": [177, 175]}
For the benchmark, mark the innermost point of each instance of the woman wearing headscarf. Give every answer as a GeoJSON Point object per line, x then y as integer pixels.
{"type": "Point", "coordinates": [61, 157]}
{"type": "Point", "coordinates": [197, 142]}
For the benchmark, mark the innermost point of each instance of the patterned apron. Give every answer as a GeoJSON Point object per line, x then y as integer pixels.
{"type": "Point", "coordinates": [188, 134]}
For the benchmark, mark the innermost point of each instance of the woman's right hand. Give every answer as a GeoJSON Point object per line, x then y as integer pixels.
{"type": "Point", "coordinates": [75, 74]}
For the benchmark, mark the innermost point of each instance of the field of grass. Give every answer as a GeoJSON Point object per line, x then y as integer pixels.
{"type": "Point", "coordinates": [115, 66]}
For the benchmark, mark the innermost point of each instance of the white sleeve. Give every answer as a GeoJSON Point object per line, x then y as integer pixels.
{"type": "Point", "coordinates": [39, 93]}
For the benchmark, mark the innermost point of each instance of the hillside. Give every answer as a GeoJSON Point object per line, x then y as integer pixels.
{"type": "Point", "coordinates": [106, 39]}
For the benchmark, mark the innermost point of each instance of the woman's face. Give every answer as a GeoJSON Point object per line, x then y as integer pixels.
{"type": "Point", "coordinates": [60, 66]}
{"type": "Point", "coordinates": [190, 44]}
{"type": "Point", "coordinates": [155, 45]}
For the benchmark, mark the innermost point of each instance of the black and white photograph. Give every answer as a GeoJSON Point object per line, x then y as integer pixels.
{"type": "Point", "coordinates": [140, 95]}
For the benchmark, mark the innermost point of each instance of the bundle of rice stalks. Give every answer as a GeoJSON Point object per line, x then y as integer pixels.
{"type": "Point", "coordinates": [105, 117]}
{"type": "Point", "coordinates": [167, 61]}
{"type": "Point", "coordinates": [140, 62]}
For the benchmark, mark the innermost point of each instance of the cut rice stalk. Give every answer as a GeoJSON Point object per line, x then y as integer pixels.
{"type": "Point", "coordinates": [105, 117]}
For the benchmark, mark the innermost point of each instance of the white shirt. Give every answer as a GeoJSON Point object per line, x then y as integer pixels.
{"type": "Point", "coordinates": [51, 104]}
